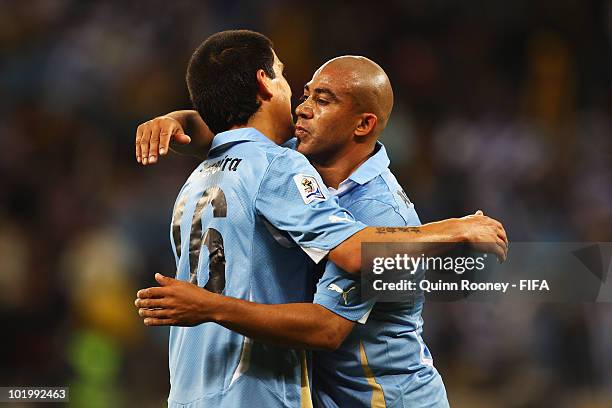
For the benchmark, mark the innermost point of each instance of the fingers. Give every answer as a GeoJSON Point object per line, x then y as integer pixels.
{"type": "Point", "coordinates": [181, 138]}
{"type": "Point", "coordinates": [144, 144]}
{"type": "Point", "coordinates": [501, 233]}
{"type": "Point", "coordinates": [164, 140]}
{"type": "Point", "coordinates": [151, 293]}
{"type": "Point", "coordinates": [497, 224]}
{"type": "Point", "coordinates": [153, 321]}
{"type": "Point", "coordinates": [154, 146]}
{"type": "Point", "coordinates": [479, 212]}
{"type": "Point", "coordinates": [500, 230]}
{"type": "Point", "coordinates": [164, 280]}
{"type": "Point", "coordinates": [499, 252]}
{"type": "Point", "coordinates": [139, 131]}
{"type": "Point", "coordinates": [501, 244]}
{"type": "Point", "coordinates": [170, 130]}
{"type": "Point", "coordinates": [501, 240]}
{"type": "Point", "coordinates": [154, 136]}
{"type": "Point", "coordinates": [150, 303]}
{"type": "Point", "coordinates": [157, 313]}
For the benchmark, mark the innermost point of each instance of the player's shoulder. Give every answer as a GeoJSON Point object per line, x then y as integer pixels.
{"type": "Point", "coordinates": [288, 150]}
{"type": "Point", "coordinates": [283, 166]}
{"type": "Point", "coordinates": [285, 157]}
{"type": "Point", "coordinates": [256, 154]}
{"type": "Point", "coordinates": [376, 190]}
{"type": "Point", "coordinates": [391, 192]}
{"type": "Point", "coordinates": [382, 200]}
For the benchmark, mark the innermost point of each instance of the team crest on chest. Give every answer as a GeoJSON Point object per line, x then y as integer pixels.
{"type": "Point", "coordinates": [309, 188]}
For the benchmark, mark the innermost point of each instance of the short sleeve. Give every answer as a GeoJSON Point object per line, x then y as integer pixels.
{"type": "Point", "coordinates": [339, 291]}
{"type": "Point", "coordinates": [293, 198]}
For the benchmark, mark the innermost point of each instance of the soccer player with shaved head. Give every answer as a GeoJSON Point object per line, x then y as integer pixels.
{"type": "Point", "coordinates": [251, 215]}
{"type": "Point", "coordinates": [383, 360]}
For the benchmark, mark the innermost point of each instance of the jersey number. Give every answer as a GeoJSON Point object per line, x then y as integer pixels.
{"type": "Point", "coordinates": [212, 238]}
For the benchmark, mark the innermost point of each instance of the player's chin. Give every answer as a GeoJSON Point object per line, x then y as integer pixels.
{"type": "Point", "coordinates": [302, 146]}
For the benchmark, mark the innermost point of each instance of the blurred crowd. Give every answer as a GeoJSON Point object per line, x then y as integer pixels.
{"type": "Point", "coordinates": [504, 106]}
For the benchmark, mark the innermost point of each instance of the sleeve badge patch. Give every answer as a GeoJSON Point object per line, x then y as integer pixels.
{"type": "Point", "coordinates": [309, 188]}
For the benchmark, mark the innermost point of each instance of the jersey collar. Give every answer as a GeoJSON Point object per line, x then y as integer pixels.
{"type": "Point", "coordinates": [248, 134]}
{"type": "Point", "coordinates": [373, 167]}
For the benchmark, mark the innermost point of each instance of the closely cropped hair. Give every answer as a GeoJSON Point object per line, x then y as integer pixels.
{"type": "Point", "coordinates": [222, 77]}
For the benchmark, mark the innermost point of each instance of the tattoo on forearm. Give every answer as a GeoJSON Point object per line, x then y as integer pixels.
{"type": "Point", "coordinates": [387, 230]}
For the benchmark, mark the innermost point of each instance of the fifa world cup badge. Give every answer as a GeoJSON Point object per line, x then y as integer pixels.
{"type": "Point", "coordinates": [309, 188]}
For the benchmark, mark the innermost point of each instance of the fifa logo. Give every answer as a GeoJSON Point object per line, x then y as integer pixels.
{"type": "Point", "coordinates": [308, 187]}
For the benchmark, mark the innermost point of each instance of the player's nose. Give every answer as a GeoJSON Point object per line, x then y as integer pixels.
{"type": "Point", "coordinates": [303, 111]}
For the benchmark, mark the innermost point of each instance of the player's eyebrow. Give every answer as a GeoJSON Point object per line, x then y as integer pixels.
{"type": "Point", "coordinates": [326, 91]}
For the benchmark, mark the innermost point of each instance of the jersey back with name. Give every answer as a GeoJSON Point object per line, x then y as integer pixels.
{"type": "Point", "coordinates": [237, 228]}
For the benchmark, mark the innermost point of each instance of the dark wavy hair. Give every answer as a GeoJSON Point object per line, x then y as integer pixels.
{"type": "Point", "coordinates": [222, 79]}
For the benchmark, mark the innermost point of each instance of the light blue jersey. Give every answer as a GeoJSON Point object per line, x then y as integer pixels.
{"type": "Point", "coordinates": [237, 228]}
{"type": "Point", "coordinates": [384, 361]}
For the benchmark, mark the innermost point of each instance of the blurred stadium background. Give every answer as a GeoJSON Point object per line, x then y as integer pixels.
{"type": "Point", "coordinates": [500, 105]}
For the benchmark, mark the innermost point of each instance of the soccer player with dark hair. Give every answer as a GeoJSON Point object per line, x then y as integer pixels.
{"type": "Point", "coordinates": [250, 203]}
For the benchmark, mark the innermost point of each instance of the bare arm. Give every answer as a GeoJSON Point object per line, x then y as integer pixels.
{"type": "Point", "coordinates": [299, 325]}
{"type": "Point", "coordinates": [182, 131]}
{"type": "Point", "coordinates": [482, 232]}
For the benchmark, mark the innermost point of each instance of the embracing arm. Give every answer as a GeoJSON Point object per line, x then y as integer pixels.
{"type": "Point", "coordinates": [182, 131]}
{"type": "Point", "coordinates": [484, 233]}
{"type": "Point", "coordinates": [298, 325]}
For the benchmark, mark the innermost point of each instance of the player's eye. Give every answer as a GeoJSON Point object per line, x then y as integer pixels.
{"type": "Point", "coordinates": [322, 102]}
{"type": "Point", "coordinates": [303, 98]}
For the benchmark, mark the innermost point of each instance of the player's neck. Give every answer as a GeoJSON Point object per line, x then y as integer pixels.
{"type": "Point", "coordinates": [334, 170]}
{"type": "Point", "coordinates": [269, 128]}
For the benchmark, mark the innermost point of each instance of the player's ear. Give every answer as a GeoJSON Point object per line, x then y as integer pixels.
{"type": "Point", "coordinates": [264, 84]}
{"type": "Point", "coordinates": [366, 125]}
